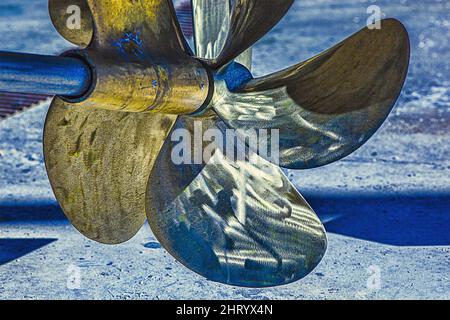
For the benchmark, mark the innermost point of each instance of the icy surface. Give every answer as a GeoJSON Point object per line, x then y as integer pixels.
{"type": "Point", "coordinates": [386, 207]}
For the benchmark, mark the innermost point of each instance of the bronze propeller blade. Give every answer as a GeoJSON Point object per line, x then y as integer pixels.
{"type": "Point", "coordinates": [240, 223]}
{"type": "Point", "coordinates": [209, 37]}
{"type": "Point", "coordinates": [211, 23]}
{"type": "Point", "coordinates": [99, 161]}
{"type": "Point", "coordinates": [327, 107]}
{"type": "Point", "coordinates": [156, 19]}
{"type": "Point", "coordinates": [111, 155]}
{"type": "Point", "coordinates": [64, 15]}
{"type": "Point", "coordinates": [211, 26]}
{"type": "Point", "coordinates": [170, 178]}
{"type": "Point", "coordinates": [250, 20]}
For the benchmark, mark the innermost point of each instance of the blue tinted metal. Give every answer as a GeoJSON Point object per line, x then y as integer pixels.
{"type": "Point", "coordinates": [53, 75]}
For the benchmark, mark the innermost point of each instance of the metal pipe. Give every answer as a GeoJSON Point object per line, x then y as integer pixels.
{"type": "Point", "coordinates": [50, 75]}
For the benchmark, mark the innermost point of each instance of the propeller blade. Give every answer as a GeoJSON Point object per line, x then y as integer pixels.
{"type": "Point", "coordinates": [250, 20]}
{"type": "Point", "coordinates": [73, 20]}
{"type": "Point", "coordinates": [238, 223]}
{"type": "Point", "coordinates": [169, 177]}
{"type": "Point", "coordinates": [98, 163]}
{"type": "Point", "coordinates": [211, 24]}
{"type": "Point", "coordinates": [151, 25]}
{"type": "Point", "coordinates": [166, 175]}
{"type": "Point", "coordinates": [327, 107]}
{"type": "Point", "coordinates": [211, 27]}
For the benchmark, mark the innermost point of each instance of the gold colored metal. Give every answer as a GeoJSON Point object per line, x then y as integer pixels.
{"type": "Point", "coordinates": [98, 163]}
{"type": "Point", "coordinates": [168, 179]}
{"type": "Point", "coordinates": [211, 28]}
{"type": "Point", "coordinates": [64, 14]}
{"type": "Point", "coordinates": [144, 84]}
{"type": "Point", "coordinates": [154, 20]}
{"type": "Point", "coordinates": [328, 106]}
{"type": "Point", "coordinates": [249, 21]}
{"type": "Point", "coordinates": [238, 223]}
{"type": "Point", "coordinates": [139, 54]}
{"type": "Point", "coordinates": [210, 34]}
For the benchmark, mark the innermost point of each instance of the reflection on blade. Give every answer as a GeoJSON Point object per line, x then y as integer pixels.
{"type": "Point", "coordinates": [153, 22]}
{"type": "Point", "coordinates": [240, 224]}
{"type": "Point", "coordinates": [98, 163]}
{"type": "Point", "coordinates": [167, 179]}
{"type": "Point", "coordinates": [326, 107]}
{"type": "Point", "coordinates": [250, 20]}
{"type": "Point", "coordinates": [211, 24]}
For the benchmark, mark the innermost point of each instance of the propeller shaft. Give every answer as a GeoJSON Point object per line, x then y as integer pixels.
{"type": "Point", "coordinates": [41, 74]}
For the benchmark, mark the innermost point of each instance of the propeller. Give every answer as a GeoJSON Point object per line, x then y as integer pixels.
{"type": "Point", "coordinates": [99, 161]}
{"type": "Point", "coordinates": [249, 21]}
{"type": "Point", "coordinates": [110, 150]}
{"type": "Point", "coordinates": [328, 106]}
{"type": "Point", "coordinates": [240, 223]}
{"type": "Point", "coordinates": [62, 10]}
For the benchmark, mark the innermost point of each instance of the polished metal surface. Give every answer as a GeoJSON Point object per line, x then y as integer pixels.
{"type": "Point", "coordinates": [39, 74]}
{"type": "Point", "coordinates": [64, 15]}
{"type": "Point", "coordinates": [211, 25]}
{"type": "Point", "coordinates": [249, 21]}
{"type": "Point", "coordinates": [212, 29]}
{"type": "Point", "coordinates": [138, 52]}
{"type": "Point", "coordinates": [154, 20]}
{"type": "Point", "coordinates": [143, 83]}
{"type": "Point", "coordinates": [98, 163]}
{"type": "Point", "coordinates": [328, 106]}
{"type": "Point", "coordinates": [168, 180]}
{"type": "Point", "coordinates": [110, 152]}
{"type": "Point", "coordinates": [240, 223]}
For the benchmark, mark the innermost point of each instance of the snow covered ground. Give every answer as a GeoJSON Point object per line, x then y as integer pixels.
{"type": "Point", "coordinates": [386, 207]}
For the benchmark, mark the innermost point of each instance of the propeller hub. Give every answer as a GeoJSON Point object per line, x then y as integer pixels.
{"type": "Point", "coordinates": [229, 78]}
{"type": "Point", "coordinates": [142, 83]}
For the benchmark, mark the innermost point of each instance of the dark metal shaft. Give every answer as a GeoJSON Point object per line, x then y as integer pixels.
{"type": "Point", "coordinates": [51, 75]}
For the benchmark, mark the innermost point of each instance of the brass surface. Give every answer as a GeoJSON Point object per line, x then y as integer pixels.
{"type": "Point", "coordinates": [144, 84]}
{"type": "Point", "coordinates": [154, 20]}
{"type": "Point", "coordinates": [62, 12]}
{"type": "Point", "coordinates": [239, 223]}
{"type": "Point", "coordinates": [210, 34]}
{"type": "Point", "coordinates": [138, 53]}
{"type": "Point", "coordinates": [169, 180]}
{"type": "Point", "coordinates": [249, 21]}
{"type": "Point", "coordinates": [98, 163]}
{"type": "Point", "coordinates": [328, 106]}
{"type": "Point", "coordinates": [211, 30]}
{"type": "Point", "coordinates": [236, 222]}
